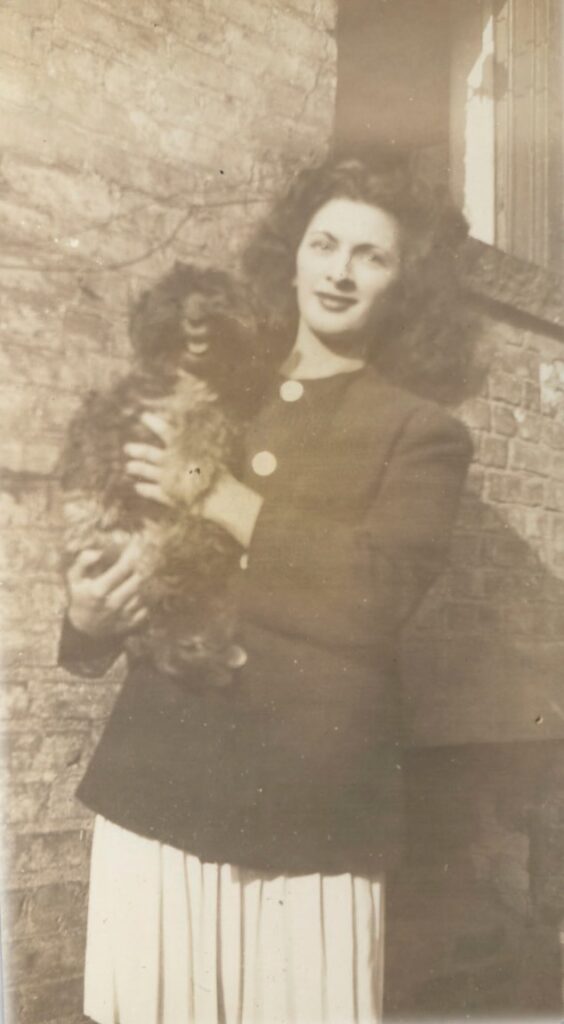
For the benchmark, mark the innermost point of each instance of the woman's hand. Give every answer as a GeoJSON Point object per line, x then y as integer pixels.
{"type": "Point", "coordinates": [229, 503]}
{"type": "Point", "coordinates": [107, 604]}
{"type": "Point", "coordinates": [146, 464]}
{"type": "Point", "coordinates": [233, 506]}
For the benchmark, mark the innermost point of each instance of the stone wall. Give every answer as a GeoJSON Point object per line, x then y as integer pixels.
{"type": "Point", "coordinates": [133, 134]}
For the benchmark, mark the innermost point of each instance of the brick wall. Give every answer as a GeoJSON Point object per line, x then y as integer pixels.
{"type": "Point", "coordinates": [133, 134]}
{"type": "Point", "coordinates": [139, 133]}
{"type": "Point", "coordinates": [490, 637]}
{"type": "Point", "coordinates": [476, 910]}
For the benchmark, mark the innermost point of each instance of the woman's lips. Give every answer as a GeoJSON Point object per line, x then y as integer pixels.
{"type": "Point", "coordinates": [335, 303]}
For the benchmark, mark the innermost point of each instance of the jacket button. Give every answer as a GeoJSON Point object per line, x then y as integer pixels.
{"type": "Point", "coordinates": [236, 656]}
{"type": "Point", "coordinates": [291, 390]}
{"type": "Point", "coordinates": [244, 561]}
{"type": "Point", "coordinates": [264, 463]}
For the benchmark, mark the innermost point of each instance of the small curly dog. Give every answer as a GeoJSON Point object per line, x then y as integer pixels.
{"type": "Point", "coordinates": [197, 364]}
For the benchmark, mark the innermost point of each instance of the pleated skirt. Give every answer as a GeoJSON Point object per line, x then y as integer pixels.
{"type": "Point", "coordinates": [172, 940]}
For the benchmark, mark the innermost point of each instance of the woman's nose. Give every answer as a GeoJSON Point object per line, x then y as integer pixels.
{"type": "Point", "coordinates": [340, 268]}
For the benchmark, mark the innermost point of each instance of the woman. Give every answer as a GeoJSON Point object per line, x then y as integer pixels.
{"type": "Point", "coordinates": [243, 835]}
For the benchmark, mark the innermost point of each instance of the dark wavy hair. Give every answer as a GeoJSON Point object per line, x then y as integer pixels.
{"type": "Point", "coordinates": [426, 341]}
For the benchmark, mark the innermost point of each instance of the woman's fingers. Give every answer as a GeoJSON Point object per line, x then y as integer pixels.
{"type": "Point", "coordinates": [133, 614]}
{"type": "Point", "coordinates": [154, 492]}
{"type": "Point", "coordinates": [139, 617]}
{"type": "Point", "coordinates": [145, 464]}
{"type": "Point", "coordinates": [126, 593]}
{"type": "Point", "coordinates": [121, 569]}
{"type": "Point", "coordinates": [158, 425]}
{"type": "Point", "coordinates": [132, 605]}
{"type": "Point", "coordinates": [127, 622]}
{"type": "Point", "coordinates": [83, 561]}
{"type": "Point", "coordinates": [145, 470]}
{"type": "Point", "coordinates": [148, 453]}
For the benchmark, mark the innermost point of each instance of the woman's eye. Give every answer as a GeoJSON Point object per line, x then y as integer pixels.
{"type": "Point", "coordinates": [321, 243]}
{"type": "Point", "coordinates": [374, 257]}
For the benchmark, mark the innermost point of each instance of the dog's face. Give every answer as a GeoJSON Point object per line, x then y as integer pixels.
{"type": "Point", "coordinates": [194, 320]}
{"type": "Point", "coordinates": [208, 330]}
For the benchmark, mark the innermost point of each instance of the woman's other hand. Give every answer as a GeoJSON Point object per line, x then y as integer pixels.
{"type": "Point", "coordinates": [106, 604]}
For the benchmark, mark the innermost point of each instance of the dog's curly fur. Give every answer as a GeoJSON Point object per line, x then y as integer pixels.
{"type": "Point", "coordinates": [197, 364]}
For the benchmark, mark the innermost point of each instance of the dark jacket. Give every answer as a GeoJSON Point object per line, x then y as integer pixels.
{"type": "Point", "coordinates": [297, 766]}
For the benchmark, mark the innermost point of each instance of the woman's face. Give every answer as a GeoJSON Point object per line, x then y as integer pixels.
{"type": "Point", "coordinates": [346, 263]}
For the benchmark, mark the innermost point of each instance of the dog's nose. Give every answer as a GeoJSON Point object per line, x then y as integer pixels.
{"type": "Point", "coordinates": [195, 308]}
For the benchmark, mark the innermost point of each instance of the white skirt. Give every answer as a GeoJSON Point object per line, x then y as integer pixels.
{"type": "Point", "coordinates": [174, 941]}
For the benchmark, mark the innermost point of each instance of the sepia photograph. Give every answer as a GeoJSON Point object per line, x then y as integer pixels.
{"type": "Point", "coordinates": [282, 511]}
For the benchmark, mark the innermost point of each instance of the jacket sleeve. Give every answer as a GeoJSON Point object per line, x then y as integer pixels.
{"type": "Point", "coordinates": [336, 583]}
{"type": "Point", "coordinates": [85, 655]}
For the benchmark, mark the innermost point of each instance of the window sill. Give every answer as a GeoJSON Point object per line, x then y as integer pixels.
{"type": "Point", "coordinates": [522, 287]}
